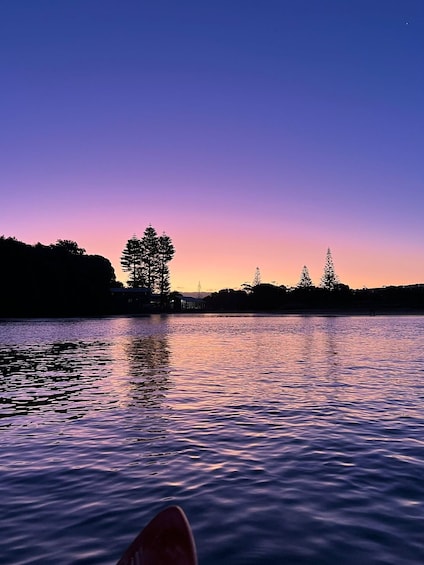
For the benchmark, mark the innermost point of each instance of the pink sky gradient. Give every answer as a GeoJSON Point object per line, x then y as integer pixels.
{"type": "Point", "coordinates": [253, 135]}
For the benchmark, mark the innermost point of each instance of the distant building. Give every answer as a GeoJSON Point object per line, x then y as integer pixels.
{"type": "Point", "coordinates": [190, 303]}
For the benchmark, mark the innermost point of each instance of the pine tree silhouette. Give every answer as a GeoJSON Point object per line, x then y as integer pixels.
{"type": "Point", "coordinates": [305, 279]}
{"type": "Point", "coordinates": [329, 279]}
{"type": "Point", "coordinates": [257, 277]}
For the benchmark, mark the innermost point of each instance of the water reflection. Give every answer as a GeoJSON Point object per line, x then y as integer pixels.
{"type": "Point", "coordinates": [37, 377]}
{"type": "Point", "coordinates": [326, 348]}
{"type": "Point", "coordinates": [148, 361]}
{"type": "Point", "coordinates": [304, 433]}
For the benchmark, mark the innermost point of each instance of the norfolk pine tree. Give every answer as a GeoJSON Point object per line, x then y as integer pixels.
{"type": "Point", "coordinates": [149, 256]}
{"type": "Point", "coordinates": [165, 252]}
{"type": "Point", "coordinates": [329, 279]}
{"type": "Point", "coordinates": [305, 280]}
{"type": "Point", "coordinates": [131, 262]}
{"type": "Point", "coordinates": [256, 278]}
{"type": "Point", "coordinates": [147, 259]}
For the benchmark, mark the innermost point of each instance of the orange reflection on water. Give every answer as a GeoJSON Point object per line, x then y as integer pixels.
{"type": "Point", "coordinates": [208, 363]}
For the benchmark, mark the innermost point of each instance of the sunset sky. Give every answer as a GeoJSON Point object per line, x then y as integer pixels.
{"type": "Point", "coordinates": [255, 133]}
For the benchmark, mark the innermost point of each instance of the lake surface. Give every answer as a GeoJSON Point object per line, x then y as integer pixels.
{"type": "Point", "coordinates": [287, 440]}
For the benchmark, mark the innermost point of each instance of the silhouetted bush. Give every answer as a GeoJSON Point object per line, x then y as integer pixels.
{"type": "Point", "coordinates": [267, 296]}
{"type": "Point", "coordinates": [227, 299]}
{"type": "Point", "coordinates": [55, 280]}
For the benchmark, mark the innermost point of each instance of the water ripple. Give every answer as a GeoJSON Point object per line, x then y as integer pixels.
{"type": "Point", "coordinates": [286, 439]}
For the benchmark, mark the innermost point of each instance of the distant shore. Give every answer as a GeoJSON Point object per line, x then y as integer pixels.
{"type": "Point", "coordinates": [322, 312]}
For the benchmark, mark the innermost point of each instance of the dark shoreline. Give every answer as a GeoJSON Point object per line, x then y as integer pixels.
{"type": "Point", "coordinates": [322, 312]}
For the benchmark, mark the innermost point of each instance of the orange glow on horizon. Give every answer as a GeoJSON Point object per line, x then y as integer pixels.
{"type": "Point", "coordinates": [226, 255]}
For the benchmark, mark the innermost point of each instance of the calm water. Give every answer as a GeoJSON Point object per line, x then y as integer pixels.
{"type": "Point", "coordinates": [295, 440]}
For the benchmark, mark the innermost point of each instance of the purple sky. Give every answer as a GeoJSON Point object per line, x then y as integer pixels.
{"type": "Point", "coordinates": [254, 133]}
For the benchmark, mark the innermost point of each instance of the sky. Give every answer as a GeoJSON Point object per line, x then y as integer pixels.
{"type": "Point", "coordinates": [255, 133]}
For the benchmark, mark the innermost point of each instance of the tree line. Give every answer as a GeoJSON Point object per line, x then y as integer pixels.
{"type": "Point", "coordinates": [329, 280]}
{"type": "Point", "coordinates": [62, 280]}
{"type": "Point", "coordinates": [53, 280]}
{"type": "Point", "coordinates": [268, 297]}
{"type": "Point", "coordinates": [330, 295]}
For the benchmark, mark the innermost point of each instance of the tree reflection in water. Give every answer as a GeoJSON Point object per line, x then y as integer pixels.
{"type": "Point", "coordinates": [148, 359]}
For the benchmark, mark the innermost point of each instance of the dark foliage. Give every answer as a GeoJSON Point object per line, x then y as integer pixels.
{"type": "Point", "coordinates": [54, 280]}
{"type": "Point", "coordinates": [410, 298]}
{"type": "Point", "coordinates": [267, 297]}
{"type": "Point", "coordinates": [261, 297]}
{"type": "Point", "coordinates": [227, 300]}
{"type": "Point", "coordinates": [146, 260]}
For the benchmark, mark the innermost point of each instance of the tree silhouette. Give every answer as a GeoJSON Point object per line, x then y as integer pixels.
{"type": "Point", "coordinates": [165, 252]}
{"type": "Point", "coordinates": [54, 280]}
{"type": "Point", "coordinates": [131, 262]}
{"type": "Point", "coordinates": [267, 296]}
{"type": "Point", "coordinates": [329, 279]}
{"type": "Point", "coordinates": [305, 280]}
{"type": "Point", "coordinates": [149, 257]}
{"type": "Point", "coordinates": [257, 278]}
{"type": "Point", "coordinates": [68, 246]}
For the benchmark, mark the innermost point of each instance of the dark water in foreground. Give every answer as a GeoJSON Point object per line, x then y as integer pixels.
{"type": "Point", "coordinates": [295, 440]}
